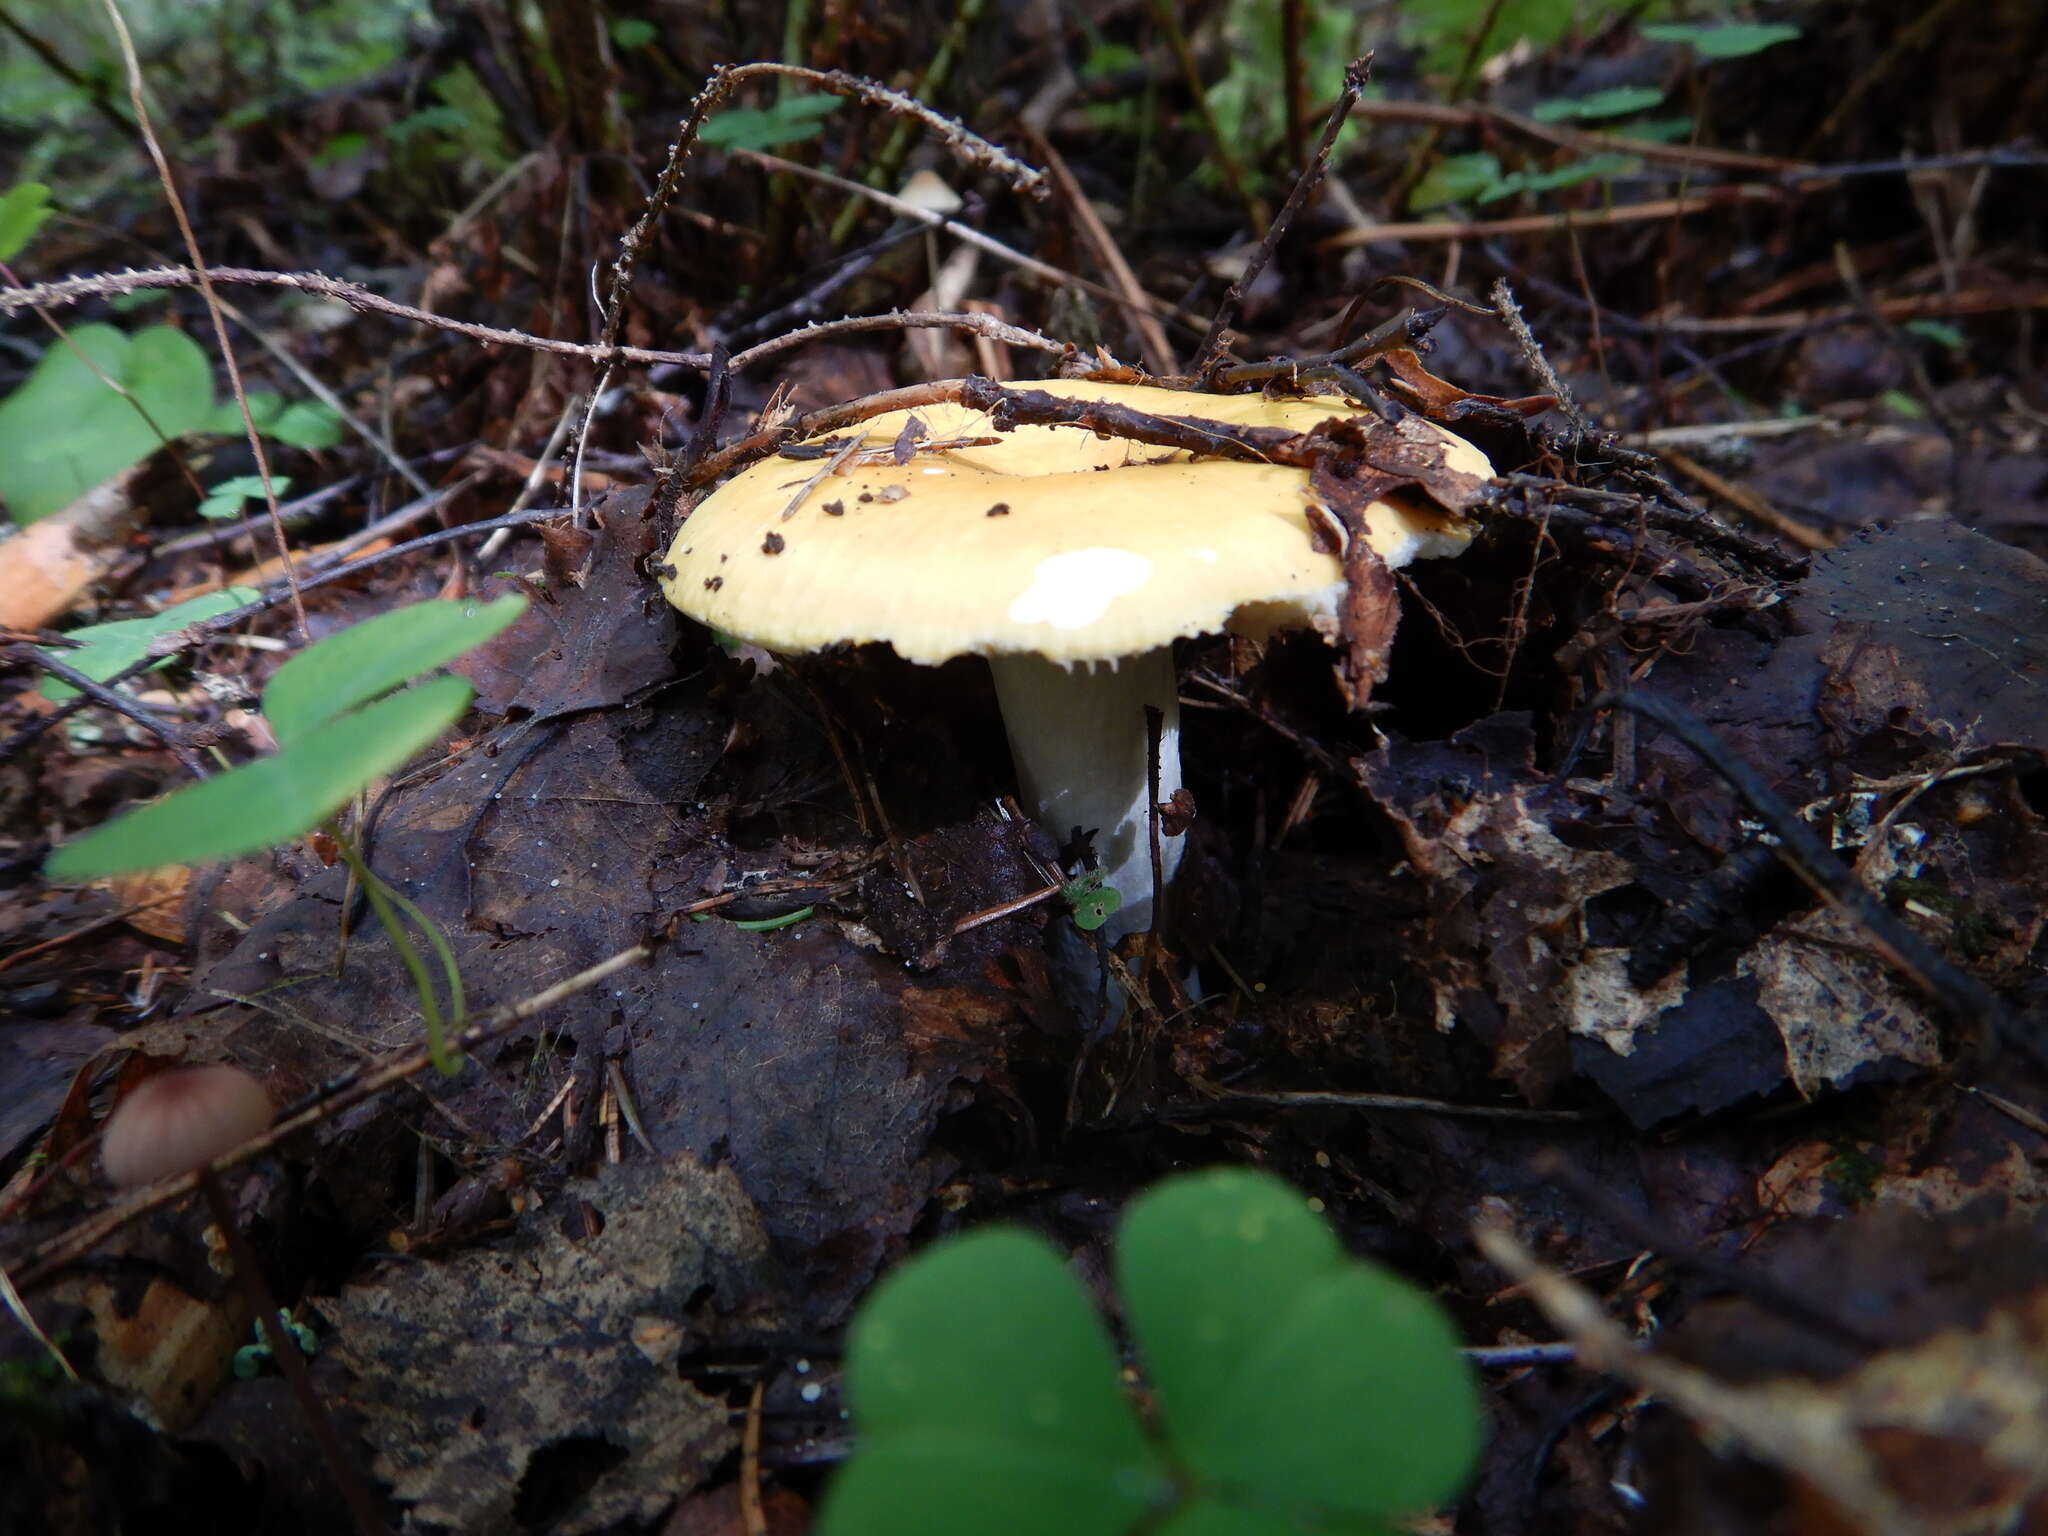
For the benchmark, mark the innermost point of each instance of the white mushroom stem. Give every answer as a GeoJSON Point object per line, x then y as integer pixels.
{"type": "Point", "coordinates": [1078, 739]}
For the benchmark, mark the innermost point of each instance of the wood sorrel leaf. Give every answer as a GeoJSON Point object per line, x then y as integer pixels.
{"type": "Point", "coordinates": [981, 1380]}
{"type": "Point", "coordinates": [273, 799]}
{"type": "Point", "coordinates": [1292, 1379]}
{"type": "Point", "coordinates": [375, 656]}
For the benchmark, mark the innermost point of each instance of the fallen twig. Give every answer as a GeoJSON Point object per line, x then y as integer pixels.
{"type": "Point", "coordinates": [70, 1246]}
{"type": "Point", "coordinates": [1142, 306]}
{"type": "Point", "coordinates": [1510, 314]}
{"type": "Point", "coordinates": [1470, 114]}
{"type": "Point", "coordinates": [133, 66]}
{"type": "Point", "coordinates": [171, 734]}
{"type": "Point", "coordinates": [969, 234]}
{"type": "Point", "coordinates": [1392, 1103]}
{"type": "Point", "coordinates": [1001, 910]}
{"type": "Point", "coordinates": [1917, 306]}
{"type": "Point", "coordinates": [1839, 1466]}
{"type": "Point", "coordinates": [1556, 223]}
{"type": "Point", "coordinates": [78, 290]}
{"type": "Point", "coordinates": [1749, 501]}
{"type": "Point", "coordinates": [1803, 852]}
{"type": "Point", "coordinates": [1355, 76]}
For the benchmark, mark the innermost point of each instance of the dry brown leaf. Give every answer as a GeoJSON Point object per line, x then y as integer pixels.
{"type": "Point", "coordinates": [157, 896]}
{"type": "Point", "coordinates": [45, 566]}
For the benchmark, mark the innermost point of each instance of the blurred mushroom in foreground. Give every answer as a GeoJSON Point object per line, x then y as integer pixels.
{"type": "Point", "coordinates": [181, 1120]}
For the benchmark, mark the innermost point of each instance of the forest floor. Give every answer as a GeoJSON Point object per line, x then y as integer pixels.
{"type": "Point", "coordinates": [1673, 900]}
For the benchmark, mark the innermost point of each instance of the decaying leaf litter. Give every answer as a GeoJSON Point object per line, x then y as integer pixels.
{"type": "Point", "coordinates": [1485, 950]}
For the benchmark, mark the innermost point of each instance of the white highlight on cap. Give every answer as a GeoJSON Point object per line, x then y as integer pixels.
{"type": "Point", "coordinates": [1073, 590]}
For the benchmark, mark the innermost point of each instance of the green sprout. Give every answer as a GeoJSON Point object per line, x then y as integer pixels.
{"type": "Point", "coordinates": [758, 924]}
{"type": "Point", "coordinates": [343, 715]}
{"type": "Point", "coordinates": [225, 500]}
{"type": "Point", "coordinates": [1092, 902]}
{"type": "Point", "coordinates": [251, 1359]}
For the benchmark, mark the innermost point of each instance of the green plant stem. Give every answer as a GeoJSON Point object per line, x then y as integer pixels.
{"type": "Point", "coordinates": [1167, 13]}
{"type": "Point", "coordinates": [771, 924]}
{"type": "Point", "coordinates": [439, 944]}
{"type": "Point", "coordinates": [890, 160]}
{"type": "Point", "coordinates": [1419, 157]}
{"type": "Point", "coordinates": [795, 22]}
{"type": "Point", "coordinates": [760, 924]}
{"type": "Point", "coordinates": [1294, 78]}
{"type": "Point", "coordinates": [386, 904]}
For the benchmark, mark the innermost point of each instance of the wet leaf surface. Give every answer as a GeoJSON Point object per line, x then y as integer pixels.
{"type": "Point", "coordinates": [1907, 642]}
{"type": "Point", "coordinates": [599, 640]}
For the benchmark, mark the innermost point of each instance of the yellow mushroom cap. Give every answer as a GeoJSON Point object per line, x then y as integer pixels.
{"type": "Point", "coordinates": [1048, 541]}
{"type": "Point", "coordinates": [179, 1120]}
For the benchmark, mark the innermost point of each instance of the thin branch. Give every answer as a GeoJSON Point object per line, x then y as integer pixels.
{"type": "Point", "coordinates": [1002, 909]}
{"type": "Point", "coordinates": [1815, 864]}
{"type": "Point", "coordinates": [1468, 114]}
{"type": "Point", "coordinates": [1688, 521]}
{"type": "Point", "coordinates": [966, 146]}
{"type": "Point", "coordinates": [71, 935]}
{"type": "Point", "coordinates": [88, 1235]}
{"type": "Point", "coordinates": [723, 81]}
{"type": "Point", "coordinates": [1532, 353]}
{"type": "Point", "coordinates": [1011, 406]}
{"type": "Point", "coordinates": [77, 290]}
{"type": "Point", "coordinates": [133, 65]}
{"type": "Point", "coordinates": [1515, 1357]}
{"type": "Point", "coordinates": [1390, 1103]}
{"type": "Point", "coordinates": [1702, 201]}
{"type": "Point", "coordinates": [1912, 306]}
{"type": "Point", "coordinates": [313, 501]}
{"type": "Point", "coordinates": [972, 322]}
{"type": "Point", "coordinates": [971, 236]}
{"type": "Point", "coordinates": [718, 462]}
{"type": "Point", "coordinates": [1143, 307]}
{"type": "Point", "coordinates": [171, 734]}
{"type": "Point", "coordinates": [1776, 1431]}
{"type": "Point", "coordinates": [1355, 76]}
{"type": "Point", "coordinates": [536, 477]}
{"type": "Point", "coordinates": [1751, 502]}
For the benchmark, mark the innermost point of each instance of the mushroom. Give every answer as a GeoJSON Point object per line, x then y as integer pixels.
{"type": "Point", "coordinates": [181, 1122]}
{"type": "Point", "coordinates": [1070, 561]}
